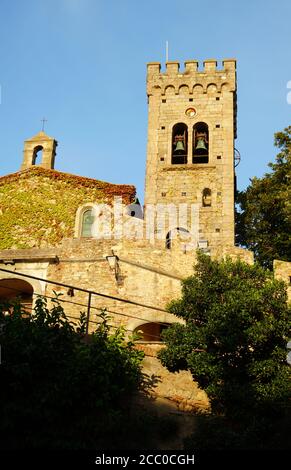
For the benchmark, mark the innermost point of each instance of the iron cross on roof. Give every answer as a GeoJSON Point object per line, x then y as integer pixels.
{"type": "Point", "coordinates": [43, 120]}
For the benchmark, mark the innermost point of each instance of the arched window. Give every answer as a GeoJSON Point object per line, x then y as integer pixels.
{"type": "Point", "coordinates": [87, 222]}
{"type": "Point", "coordinates": [179, 143]}
{"type": "Point", "coordinates": [12, 290]}
{"type": "Point", "coordinates": [151, 332]}
{"type": "Point", "coordinates": [200, 153]}
{"type": "Point", "coordinates": [37, 155]}
{"type": "Point", "coordinates": [206, 197]}
{"type": "Point", "coordinates": [178, 232]}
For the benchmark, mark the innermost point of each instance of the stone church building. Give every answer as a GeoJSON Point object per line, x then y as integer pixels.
{"type": "Point", "coordinates": [48, 218]}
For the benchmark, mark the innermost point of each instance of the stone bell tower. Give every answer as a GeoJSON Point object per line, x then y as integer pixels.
{"type": "Point", "coordinates": [39, 150]}
{"type": "Point", "coordinates": [190, 152]}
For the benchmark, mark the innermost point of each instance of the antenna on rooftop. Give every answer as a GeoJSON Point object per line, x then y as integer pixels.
{"type": "Point", "coordinates": [167, 51]}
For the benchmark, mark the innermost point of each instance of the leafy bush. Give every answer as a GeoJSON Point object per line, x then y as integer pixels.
{"type": "Point", "coordinates": [60, 389]}
{"type": "Point", "coordinates": [257, 433]}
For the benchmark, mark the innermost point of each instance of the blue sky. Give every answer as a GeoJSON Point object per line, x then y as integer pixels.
{"type": "Point", "coordinates": [82, 65]}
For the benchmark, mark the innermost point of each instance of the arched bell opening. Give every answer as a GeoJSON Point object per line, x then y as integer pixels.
{"type": "Point", "coordinates": [151, 332]}
{"type": "Point", "coordinates": [37, 155]}
{"type": "Point", "coordinates": [12, 290]}
{"type": "Point", "coordinates": [200, 152]}
{"type": "Point", "coordinates": [179, 144]}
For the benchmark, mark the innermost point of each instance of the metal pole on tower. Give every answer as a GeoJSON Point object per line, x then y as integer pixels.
{"type": "Point", "coordinates": [167, 51]}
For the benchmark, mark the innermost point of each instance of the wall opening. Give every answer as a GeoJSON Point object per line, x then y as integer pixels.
{"type": "Point", "coordinates": [206, 197]}
{"type": "Point", "coordinates": [12, 290]}
{"type": "Point", "coordinates": [179, 233]}
{"type": "Point", "coordinates": [37, 155]}
{"type": "Point", "coordinates": [200, 152]}
{"type": "Point", "coordinates": [179, 144]}
{"type": "Point", "coordinates": [151, 332]}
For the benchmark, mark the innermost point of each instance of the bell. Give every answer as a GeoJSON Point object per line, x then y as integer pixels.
{"type": "Point", "coordinates": [201, 144]}
{"type": "Point", "coordinates": [179, 146]}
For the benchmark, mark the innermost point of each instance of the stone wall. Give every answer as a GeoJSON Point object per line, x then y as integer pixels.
{"type": "Point", "coordinates": [141, 274]}
{"type": "Point", "coordinates": [282, 270]}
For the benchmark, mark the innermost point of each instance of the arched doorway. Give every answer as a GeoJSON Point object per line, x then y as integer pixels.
{"type": "Point", "coordinates": [151, 332]}
{"type": "Point", "coordinates": [17, 289]}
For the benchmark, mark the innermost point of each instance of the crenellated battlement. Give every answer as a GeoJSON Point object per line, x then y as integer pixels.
{"type": "Point", "coordinates": [192, 76]}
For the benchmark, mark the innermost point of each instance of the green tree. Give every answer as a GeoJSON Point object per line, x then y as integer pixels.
{"type": "Point", "coordinates": [237, 323]}
{"type": "Point", "coordinates": [263, 218]}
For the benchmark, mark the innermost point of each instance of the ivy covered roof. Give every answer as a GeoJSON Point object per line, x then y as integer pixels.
{"type": "Point", "coordinates": [38, 206]}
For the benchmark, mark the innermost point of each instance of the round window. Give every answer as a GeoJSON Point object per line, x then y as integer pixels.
{"type": "Point", "coordinates": [190, 112]}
